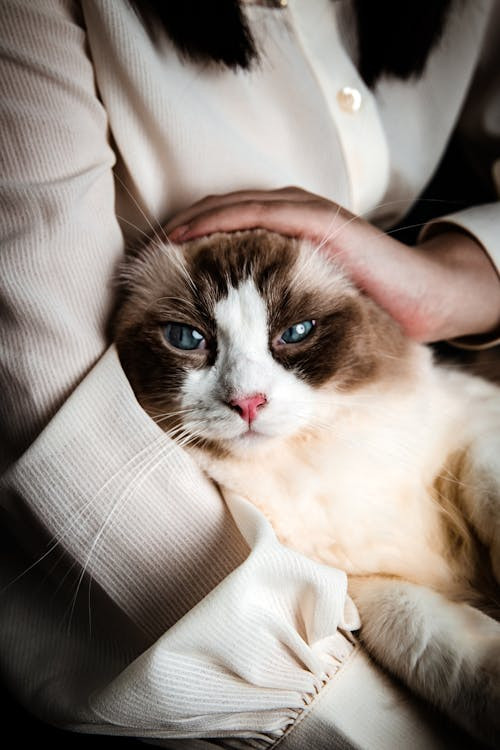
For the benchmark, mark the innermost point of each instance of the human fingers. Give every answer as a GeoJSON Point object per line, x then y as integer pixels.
{"type": "Point", "coordinates": [211, 202]}
{"type": "Point", "coordinates": [312, 218]}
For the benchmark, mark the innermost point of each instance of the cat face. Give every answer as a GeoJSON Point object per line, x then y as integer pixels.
{"type": "Point", "coordinates": [233, 340]}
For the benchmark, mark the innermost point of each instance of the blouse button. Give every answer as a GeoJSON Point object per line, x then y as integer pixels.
{"type": "Point", "coordinates": [349, 99]}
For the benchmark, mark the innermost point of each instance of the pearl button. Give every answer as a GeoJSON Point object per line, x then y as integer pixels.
{"type": "Point", "coordinates": [283, 3]}
{"type": "Point", "coordinates": [349, 99]}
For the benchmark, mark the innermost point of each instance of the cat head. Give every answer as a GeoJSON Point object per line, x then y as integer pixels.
{"type": "Point", "coordinates": [236, 339]}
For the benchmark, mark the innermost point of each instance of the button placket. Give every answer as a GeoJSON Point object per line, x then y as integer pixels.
{"type": "Point", "coordinates": [351, 105]}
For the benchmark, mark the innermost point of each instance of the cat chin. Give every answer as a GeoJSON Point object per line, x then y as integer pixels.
{"type": "Point", "coordinates": [249, 442]}
{"type": "Point", "coordinates": [235, 437]}
{"type": "Point", "coordinates": [242, 447]}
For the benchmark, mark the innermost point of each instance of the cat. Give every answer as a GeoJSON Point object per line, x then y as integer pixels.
{"type": "Point", "coordinates": [296, 391]}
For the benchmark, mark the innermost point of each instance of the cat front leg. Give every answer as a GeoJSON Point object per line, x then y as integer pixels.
{"type": "Point", "coordinates": [447, 653]}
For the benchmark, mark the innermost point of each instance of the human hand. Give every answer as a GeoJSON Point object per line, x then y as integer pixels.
{"type": "Point", "coordinates": [443, 288]}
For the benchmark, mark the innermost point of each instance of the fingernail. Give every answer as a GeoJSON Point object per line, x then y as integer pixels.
{"type": "Point", "coordinates": [179, 232]}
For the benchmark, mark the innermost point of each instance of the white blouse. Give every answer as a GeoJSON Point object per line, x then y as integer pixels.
{"type": "Point", "coordinates": [192, 624]}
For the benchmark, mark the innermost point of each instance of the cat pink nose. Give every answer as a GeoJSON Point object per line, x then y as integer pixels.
{"type": "Point", "coordinates": [247, 406]}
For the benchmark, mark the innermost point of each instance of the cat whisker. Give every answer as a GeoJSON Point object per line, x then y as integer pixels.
{"type": "Point", "coordinates": [401, 455]}
{"type": "Point", "coordinates": [118, 504]}
{"type": "Point", "coordinates": [406, 226]}
{"type": "Point", "coordinates": [176, 257]}
{"type": "Point", "coordinates": [140, 208]}
{"type": "Point", "coordinates": [162, 242]}
{"type": "Point", "coordinates": [384, 204]}
{"type": "Point", "coordinates": [183, 300]}
{"type": "Point", "coordinates": [331, 235]}
{"type": "Point", "coordinates": [403, 201]}
{"type": "Point", "coordinates": [134, 226]}
{"type": "Point", "coordinates": [170, 414]}
{"type": "Point", "coordinates": [121, 472]}
{"type": "Point", "coordinates": [58, 538]}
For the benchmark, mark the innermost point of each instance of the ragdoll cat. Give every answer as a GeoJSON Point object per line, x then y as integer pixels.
{"type": "Point", "coordinates": [299, 393]}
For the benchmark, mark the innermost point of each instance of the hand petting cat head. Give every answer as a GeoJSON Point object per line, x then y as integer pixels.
{"type": "Point", "coordinates": [235, 338]}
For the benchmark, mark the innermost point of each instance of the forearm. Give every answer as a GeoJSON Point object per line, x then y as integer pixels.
{"type": "Point", "coordinates": [445, 287]}
{"type": "Point", "coordinates": [466, 282]}
{"type": "Point", "coordinates": [59, 237]}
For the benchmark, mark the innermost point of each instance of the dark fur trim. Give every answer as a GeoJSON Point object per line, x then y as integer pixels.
{"type": "Point", "coordinates": [395, 37]}
{"type": "Point", "coordinates": [201, 30]}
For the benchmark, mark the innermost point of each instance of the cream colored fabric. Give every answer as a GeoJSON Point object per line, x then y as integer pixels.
{"type": "Point", "coordinates": [191, 620]}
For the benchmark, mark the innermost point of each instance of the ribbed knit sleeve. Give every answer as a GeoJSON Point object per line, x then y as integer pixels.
{"type": "Point", "coordinates": [59, 238]}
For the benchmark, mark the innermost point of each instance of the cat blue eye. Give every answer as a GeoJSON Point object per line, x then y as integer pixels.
{"type": "Point", "coordinates": [297, 332]}
{"type": "Point", "coordinates": [183, 336]}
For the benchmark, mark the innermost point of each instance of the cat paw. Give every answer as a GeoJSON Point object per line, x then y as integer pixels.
{"type": "Point", "coordinates": [446, 652]}
{"type": "Point", "coordinates": [480, 700]}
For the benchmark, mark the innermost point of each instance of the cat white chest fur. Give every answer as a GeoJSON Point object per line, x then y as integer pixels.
{"type": "Point", "coordinates": [354, 491]}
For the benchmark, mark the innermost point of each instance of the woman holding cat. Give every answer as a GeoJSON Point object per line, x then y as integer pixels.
{"type": "Point", "coordinates": [185, 622]}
